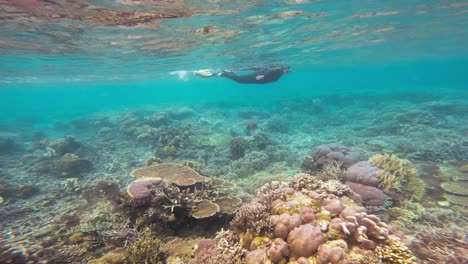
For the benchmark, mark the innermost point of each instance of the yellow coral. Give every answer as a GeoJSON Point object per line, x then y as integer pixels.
{"type": "Point", "coordinates": [76, 238]}
{"type": "Point", "coordinates": [395, 173]}
{"type": "Point", "coordinates": [1, 200]}
{"type": "Point", "coordinates": [145, 250]}
{"type": "Point", "coordinates": [114, 257]}
{"type": "Point", "coordinates": [394, 252]}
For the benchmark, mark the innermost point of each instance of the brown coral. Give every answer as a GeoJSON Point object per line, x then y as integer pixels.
{"type": "Point", "coordinates": [205, 209]}
{"type": "Point", "coordinates": [172, 173]}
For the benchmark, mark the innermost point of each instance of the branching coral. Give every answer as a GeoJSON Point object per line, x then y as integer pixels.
{"type": "Point", "coordinates": [253, 217]}
{"type": "Point", "coordinates": [398, 177]}
{"type": "Point", "coordinates": [393, 251]}
{"type": "Point", "coordinates": [332, 171]}
{"type": "Point", "coordinates": [145, 250]}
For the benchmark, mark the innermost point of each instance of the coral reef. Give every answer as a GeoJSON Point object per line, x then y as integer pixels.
{"type": "Point", "coordinates": [70, 165]}
{"type": "Point", "coordinates": [177, 191]}
{"type": "Point", "coordinates": [362, 179]}
{"type": "Point", "coordinates": [145, 250]}
{"type": "Point", "coordinates": [393, 251]}
{"type": "Point", "coordinates": [440, 245]}
{"type": "Point", "coordinates": [398, 177]}
{"type": "Point", "coordinates": [238, 147]}
{"type": "Point", "coordinates": [307, 220]}
{"type": "Point", "coordinates": [324, 154]}
{"type": "Point", "coordinates": [278, 124]}
{"type": "Point", "coordinates": [249, 164]}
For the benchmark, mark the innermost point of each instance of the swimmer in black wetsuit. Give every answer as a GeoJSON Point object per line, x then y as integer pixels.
{"type": "Point", "coordinates": [258, 76]}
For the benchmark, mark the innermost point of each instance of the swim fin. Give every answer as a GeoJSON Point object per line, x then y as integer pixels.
{"type": "Point", "coordinates": [204, 73]}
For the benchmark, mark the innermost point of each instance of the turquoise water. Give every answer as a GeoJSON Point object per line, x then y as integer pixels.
{"type": "Point", "coordinates": [89, 94]}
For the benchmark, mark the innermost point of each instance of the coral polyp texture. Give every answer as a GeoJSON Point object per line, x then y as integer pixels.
{"type": "Point", "coordinates": [308, 221]}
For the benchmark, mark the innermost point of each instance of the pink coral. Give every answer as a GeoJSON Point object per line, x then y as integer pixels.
{"type": "Point", "coordinates": [278, 250]}
{"type": "Point", "coordinates": [334, 206]}
{"type": "Point", "coordinates": [308, 215]}
{"type": "Point", "coordinates": [285, 223]}
{"type": "Point", "coordinates": [304, 241]}
{"type": "Point", "coordinates": [257, 256]}
{"type": "Point", "coordinates": [369, 195]}
{"type": "Point", "coordinates": [364, 173]}
{"type": "Point", "coordinates": [140, 189]}
{"type": "Point", "coordinates": [332, 253]}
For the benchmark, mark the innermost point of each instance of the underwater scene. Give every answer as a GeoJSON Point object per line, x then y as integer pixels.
{"type": "Point", "coordinates": [233, 131]}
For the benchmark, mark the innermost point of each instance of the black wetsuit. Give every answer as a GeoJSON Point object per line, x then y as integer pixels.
{"type": "Point", "coordinates": [260, 76]}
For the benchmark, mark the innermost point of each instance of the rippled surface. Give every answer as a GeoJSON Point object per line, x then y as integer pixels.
{"type": "Point", "coordinates": [60, 40]}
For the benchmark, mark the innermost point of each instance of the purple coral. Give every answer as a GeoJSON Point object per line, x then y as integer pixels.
{"type": "Point", "coordinates": [364, 173]}
{"type": "Point", "coordinates": [368, 195]}
{"type": "Point", "coordinates": [278, 250]}
{"type": "Point", "coordinates": [285, 223]}
{"type": "Point", "coordinates": [140, 189]}
{"type": "Point", "coordinates": [324, 154]}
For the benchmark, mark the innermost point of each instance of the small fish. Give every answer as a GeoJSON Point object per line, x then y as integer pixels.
{"type": "Point", "coordinates": [388, 203]}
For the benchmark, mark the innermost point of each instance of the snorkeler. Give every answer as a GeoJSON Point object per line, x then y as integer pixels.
{"type": "Point", "coordinates": [259, 75]}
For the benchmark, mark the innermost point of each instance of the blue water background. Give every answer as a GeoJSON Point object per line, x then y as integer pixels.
{"type": "Point", "coordinates": [60, 101]}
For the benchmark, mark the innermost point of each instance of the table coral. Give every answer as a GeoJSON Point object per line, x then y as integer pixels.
{"type": "Point", "coordinates": [175, 192]}
{"type": "Point", "coordinates": [172, 173]}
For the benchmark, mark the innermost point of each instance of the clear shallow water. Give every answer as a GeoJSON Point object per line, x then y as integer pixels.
{"type": "Point", "coordinates": [373, 76]}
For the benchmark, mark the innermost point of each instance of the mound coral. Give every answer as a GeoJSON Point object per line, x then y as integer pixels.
{"type": "Point", "coordinates": [324, 154]}
{"type": "Point", "coordinates": [304, 222]}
